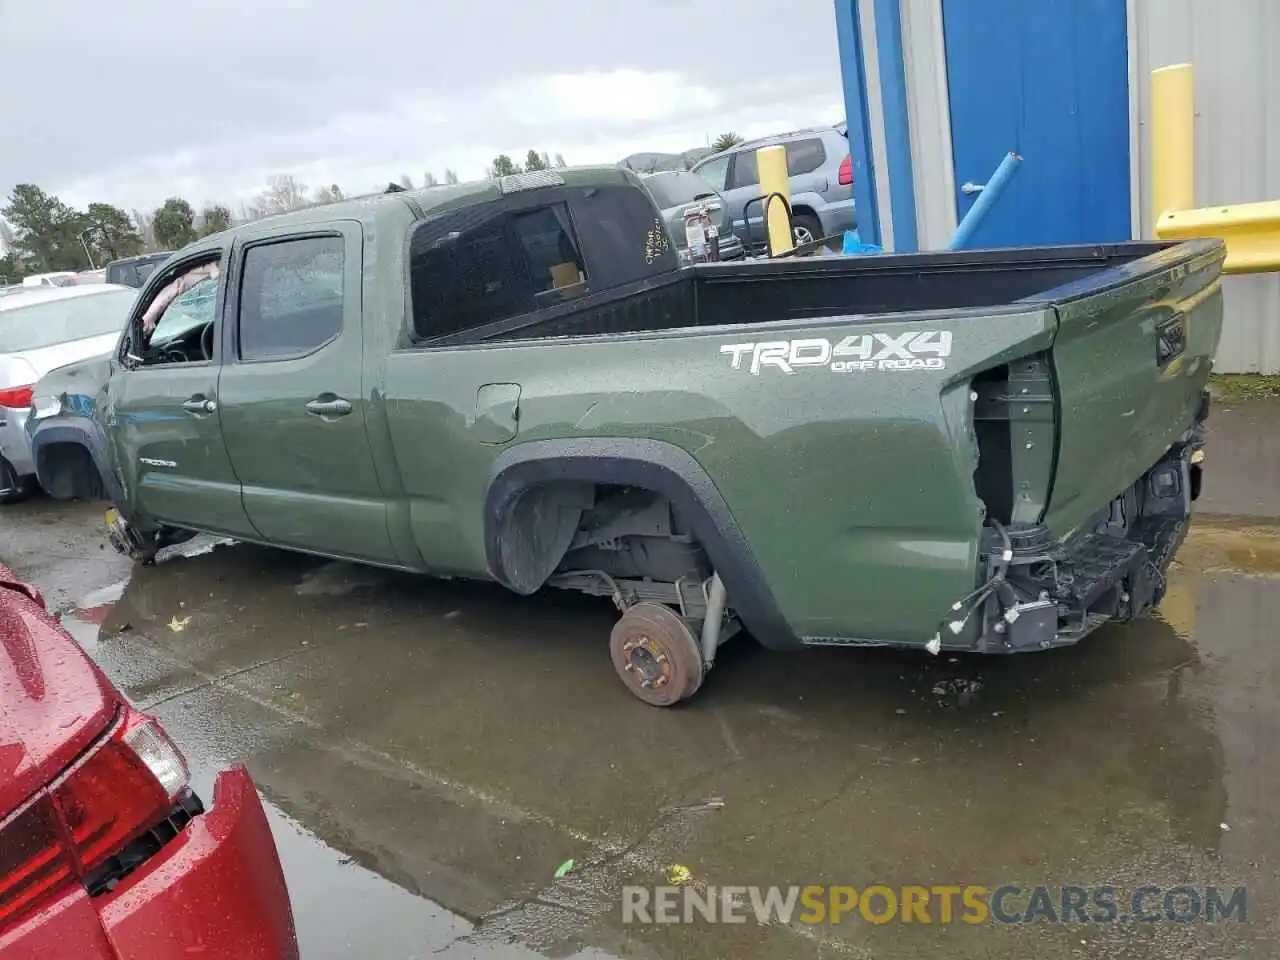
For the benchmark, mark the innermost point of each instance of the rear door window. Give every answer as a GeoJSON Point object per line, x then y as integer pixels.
{"type": "Point", "coordinates": [805, 156]}
{"type": "Point", "coordinates": [290, 297]}
{"type": "Point", "coordinates": [478, 267]}
{"type": "Point", "coordinates": [745, 172]}
{"type": "Point", "coordinates": [465, 274]}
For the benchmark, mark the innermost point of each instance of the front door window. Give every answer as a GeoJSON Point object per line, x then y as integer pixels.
{"type": "Point", "coordinates": [178, 324]}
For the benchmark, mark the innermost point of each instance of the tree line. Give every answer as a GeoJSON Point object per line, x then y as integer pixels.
{"type": "Point", "coordinates": [43, 233]}
{"type": "Point", "coordinates": [504, 166]}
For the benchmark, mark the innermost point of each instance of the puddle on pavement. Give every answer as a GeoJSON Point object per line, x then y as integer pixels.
{"type": "Point", "coordinates": [344, 910]}
{"type": "Point", "coordinates": [452, 743]}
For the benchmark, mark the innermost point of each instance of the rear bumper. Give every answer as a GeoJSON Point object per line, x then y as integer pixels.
{"type": "Point", "coordinates": [1035, 591]}
{"type": "Point", "coordinates": [1115, 572]}
{"type": "Point", "coordinates": [731, 247]}
{"type": "Point", "coordinates": [214, 890]}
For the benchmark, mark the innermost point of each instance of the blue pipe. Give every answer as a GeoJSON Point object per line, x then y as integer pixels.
{"type": "Point", "coordinates": [986, 199]}
{"type": "Point", "coordinates": [857, 116]}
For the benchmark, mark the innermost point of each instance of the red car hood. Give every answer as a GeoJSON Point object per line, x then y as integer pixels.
{"type": "Point", "coordinates": [54, 701]}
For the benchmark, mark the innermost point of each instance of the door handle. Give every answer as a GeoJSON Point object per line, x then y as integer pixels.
{"type": "Point", "coordinates": [199, 404]}
{"type": "Point", "coordinates": [327, 405]}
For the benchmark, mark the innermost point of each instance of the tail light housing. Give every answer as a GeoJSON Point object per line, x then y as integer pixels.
{"type": "Point", "coordinates": [846, 171]}
{"type": "Point", "coordinates": [17, 398]}
{"type": "Point", "coordinates": [127, 783]}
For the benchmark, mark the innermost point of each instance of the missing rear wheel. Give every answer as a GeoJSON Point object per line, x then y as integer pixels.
{"type": "Point", "coordinates": [656, 655]}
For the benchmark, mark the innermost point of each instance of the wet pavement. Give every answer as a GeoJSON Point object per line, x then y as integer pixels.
{"type": "Point", "coordinates": [432, 751]}
{"type": "Point", "coordinates": [1245, 445]}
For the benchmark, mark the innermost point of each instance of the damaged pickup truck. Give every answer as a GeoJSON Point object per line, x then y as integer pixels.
{"type": "Point", "coordinates": [990, 451]}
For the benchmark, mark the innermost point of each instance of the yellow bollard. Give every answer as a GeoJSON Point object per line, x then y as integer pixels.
{"type": "Point", "coordinates": [771, 162]}
{"type": "Point", "coordinates": [1173, 140]}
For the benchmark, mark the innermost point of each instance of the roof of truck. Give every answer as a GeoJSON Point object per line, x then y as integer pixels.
{"type": "Point", "coordinates": [440, 199]}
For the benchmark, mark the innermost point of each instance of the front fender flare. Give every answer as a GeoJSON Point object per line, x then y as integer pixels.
{"type": "Point", "coordinates": [662, 468]}
{"type": "Point", "coordinates": [82, 432]}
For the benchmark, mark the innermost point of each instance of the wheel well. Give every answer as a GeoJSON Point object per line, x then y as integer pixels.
{"type": "Point", "coordinates": [803, 211]}
{"type": "Point", "coordinates": [568, 527]}
{"type": "Point", "coordinates": [525, 544]}
{"type": "Point", "coordinates": [67, 472]}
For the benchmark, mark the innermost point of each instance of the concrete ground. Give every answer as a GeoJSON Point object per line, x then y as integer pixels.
{"type": "Point", "coordinates": [431, 752]}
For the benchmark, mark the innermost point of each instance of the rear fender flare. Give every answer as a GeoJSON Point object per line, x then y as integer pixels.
{"type": "Point", "coordinates": [662, 468]}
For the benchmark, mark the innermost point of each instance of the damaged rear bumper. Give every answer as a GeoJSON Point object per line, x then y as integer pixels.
{"type": "Point", "coordinates": [1044, 593]}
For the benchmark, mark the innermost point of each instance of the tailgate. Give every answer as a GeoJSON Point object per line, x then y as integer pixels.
{"type": "Point", "coordinates": [1131, 359]}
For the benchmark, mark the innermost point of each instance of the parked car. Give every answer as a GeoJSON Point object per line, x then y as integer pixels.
{"type": "Point", "coordinates": [57, 278]}
{"type": "Point", "coordinates": [821, 181]}
{"type": "Point", "coordinates": [516, 381]}
{"type": "Point", "coordinates": [677, 191]}
{"type": "Point", "coordinates": [42, 329]}
{"type": "Point", "coordinates": [105, 850]}
{"type": "Point", "coordinates": [133, 271]}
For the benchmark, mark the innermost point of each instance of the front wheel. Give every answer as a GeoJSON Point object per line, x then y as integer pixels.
{"type": "Point", "coordinates": [656, 654]}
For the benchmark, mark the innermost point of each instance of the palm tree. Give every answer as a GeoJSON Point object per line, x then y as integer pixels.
{"type": "Point", "coordinates": [725, 141]}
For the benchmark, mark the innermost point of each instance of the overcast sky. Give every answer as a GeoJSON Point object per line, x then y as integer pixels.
{"type": "Point", "coordinates": [133, 101]}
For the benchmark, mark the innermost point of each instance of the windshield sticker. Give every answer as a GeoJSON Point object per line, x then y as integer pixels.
{"type": "Point", "coordinates": [859, 353]}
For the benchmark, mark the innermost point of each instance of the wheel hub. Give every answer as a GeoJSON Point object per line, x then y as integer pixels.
{"type": "Point", "coordinates": [647, 662]}
{"type": "Point", "coordinates": [656, 654]}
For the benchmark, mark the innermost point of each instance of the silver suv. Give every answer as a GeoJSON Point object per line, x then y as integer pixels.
{"type": "Point", "coordinates": [821, 174]}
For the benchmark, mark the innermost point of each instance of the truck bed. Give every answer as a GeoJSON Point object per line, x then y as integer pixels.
{"type": "Point", "coordinates": [891, 408]}
{"type": "Point", "coordinates": [709, 295]}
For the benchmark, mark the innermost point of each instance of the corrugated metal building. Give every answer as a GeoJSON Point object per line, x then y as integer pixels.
{"type": "Point", "coordinates": [937, 91]}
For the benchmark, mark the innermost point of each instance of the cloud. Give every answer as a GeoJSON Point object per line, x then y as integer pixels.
{"type": "Point", "coordinates": [617, 97]}
{"type": "Point", "coordinates": [141, 100]}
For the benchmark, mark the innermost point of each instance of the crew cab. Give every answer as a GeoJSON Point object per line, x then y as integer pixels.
{"type": "Point", "coordinates": [515, 381]}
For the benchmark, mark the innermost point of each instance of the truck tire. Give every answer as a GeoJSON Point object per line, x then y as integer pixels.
{"type": "Point", "coordinates": [656, 654]}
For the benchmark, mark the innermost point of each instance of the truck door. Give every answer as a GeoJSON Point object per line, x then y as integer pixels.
{"type": "Point", "coordinates": [292, 398]}
{"type": "Point", "coordinates": [162, 413]}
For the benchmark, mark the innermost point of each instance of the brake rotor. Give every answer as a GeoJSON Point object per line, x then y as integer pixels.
{"type": "Point", "coordinates": [656, 654]}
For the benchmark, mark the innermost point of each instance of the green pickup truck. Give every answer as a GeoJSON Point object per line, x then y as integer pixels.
{"type": "Point", "coordinates": [991, 451]}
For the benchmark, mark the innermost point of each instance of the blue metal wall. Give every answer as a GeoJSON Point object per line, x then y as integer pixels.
{"type": "Point", "coordinates": [1047, 79]}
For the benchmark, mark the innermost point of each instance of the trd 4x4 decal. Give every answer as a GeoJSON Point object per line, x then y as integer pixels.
{"type": "Point", "coordinates": [859, 353]}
